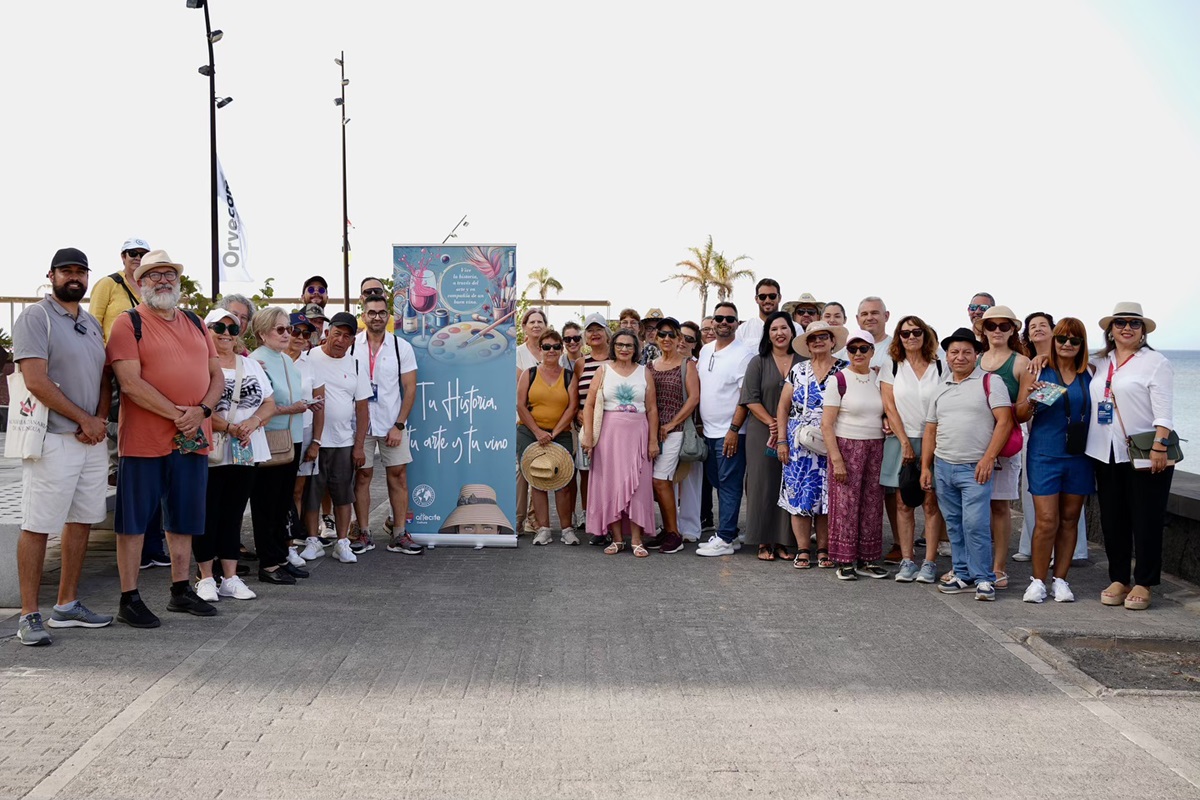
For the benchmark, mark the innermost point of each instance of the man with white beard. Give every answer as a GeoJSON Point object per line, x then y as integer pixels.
{"type": "Point", "coordinates": [170, 380]}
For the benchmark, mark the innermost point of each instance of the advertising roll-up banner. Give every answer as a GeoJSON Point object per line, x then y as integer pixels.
{"type": "Point", "coordinates": [455, 304]}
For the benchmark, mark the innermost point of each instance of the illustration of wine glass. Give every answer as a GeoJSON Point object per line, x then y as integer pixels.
{"type": "Point", "coordinates": [422, 296]}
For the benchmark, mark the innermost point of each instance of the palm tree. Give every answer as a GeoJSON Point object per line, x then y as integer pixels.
{"type": "Point", "coordinates": [698, 272]}
{"type": "Point", "coordinates": [725, 273]}
{"type": "Point", "coordinates": [540, 279]}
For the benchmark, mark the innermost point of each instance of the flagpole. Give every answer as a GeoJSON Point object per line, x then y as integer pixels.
{"type": "Point", "coordinates": [212, 147]}
{"type": "Point", "coordinates": [345, 209]}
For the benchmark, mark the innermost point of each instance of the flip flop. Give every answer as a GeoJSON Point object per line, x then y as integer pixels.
{"type": "Point", "coordinates": [764, 553]}
{"type": "Point", "coordinates": [782, 553]}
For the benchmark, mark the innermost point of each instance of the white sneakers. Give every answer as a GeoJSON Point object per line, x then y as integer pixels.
{"type": "Point", "coordinates": [716, 546]}
{"type": "Point", "coordinates": [294, 558]}
{"type": "Point", "coordinates": [569, 537]}
{"type": "Point", "coordinates": [312, 550]}
{"type": "Point", "coordinates": [343, 553]}
{"type": "Point", "coordinates": [543, 536]}
{"type": "Point", "coordinates": [206, 590]}
{"type": "Point", "coordinates": [1036, 593]}
{"type": "Point", "coordinates": [236, 588]}
{"type": "Point", "coordinates": [1062, 591]}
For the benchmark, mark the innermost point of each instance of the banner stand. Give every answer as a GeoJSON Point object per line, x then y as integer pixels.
{"type": "Point", "coordinates": [478, 541]}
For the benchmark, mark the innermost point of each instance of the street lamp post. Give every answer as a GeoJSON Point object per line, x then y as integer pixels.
{"type": "Point", "coordinates": [341, 102]}
{"type": "Point", "coordinates": [210, 70]}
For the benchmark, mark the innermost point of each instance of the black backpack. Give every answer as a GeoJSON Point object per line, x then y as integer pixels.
{"type": "Point", "coordinates": [137, 322]}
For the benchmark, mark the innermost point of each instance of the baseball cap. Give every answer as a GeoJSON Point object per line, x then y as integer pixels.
{"type": "Point", "coordinates": [595, 318]}
{"type": "Point", "coordinates": [69, 257]}
{"type": "Point", "coordinates": [218, 314]}
{"type": "Point", "coordinates": [654, 313]}
{"type": "Point", "coordinates": [345, 320]}
{"type": "Point", "coordinates": [300, 319]}
{"type": "Point", "coordinates": [135, 243]}
{"type": "Point", "coordinates": [314, 311]}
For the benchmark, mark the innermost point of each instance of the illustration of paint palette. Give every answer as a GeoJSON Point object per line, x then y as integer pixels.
{"type": "Point", "coordinates": [445, 344]}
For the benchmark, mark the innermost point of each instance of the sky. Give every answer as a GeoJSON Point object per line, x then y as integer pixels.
{"type": "Point", "coordinates": [1046, 152]}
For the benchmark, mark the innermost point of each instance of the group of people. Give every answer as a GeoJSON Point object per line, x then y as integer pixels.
{"type": "Point", "coordinates": [826, 429]}
{"type": "Point", "coordinates": [204, 421]}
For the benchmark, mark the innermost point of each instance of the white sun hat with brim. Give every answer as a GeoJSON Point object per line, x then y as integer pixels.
{"type": "Point", "coordinates": [1129, 310]}
{"type": "Point", "coordinates": [838, 332]}
{"type": "Point", "coordinates": [477, 506]}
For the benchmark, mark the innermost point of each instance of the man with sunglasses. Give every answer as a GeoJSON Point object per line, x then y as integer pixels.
{"type": "Point", "coordinates": [767, 296]}
{"type": "Point", "coordinates": [60, 348]}
{"type": "Point", "coordinates": [372, 288]}
{"type": "Point", "coordinates": [980, 303]}
{"type": "Point", "coordinates": [316, 291]}
{"type": "Point", "coordinates": [805, 311]}
{"type": "Point", "coordinates": [391, 368]}
{"type": "Point", "coordinates": [722, 367]}
{"type": "Point", "coordinates": [872, 317]}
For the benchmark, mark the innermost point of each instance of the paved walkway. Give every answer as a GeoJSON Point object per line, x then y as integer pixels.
{"type": "Point", "coordinates": [557, 671]}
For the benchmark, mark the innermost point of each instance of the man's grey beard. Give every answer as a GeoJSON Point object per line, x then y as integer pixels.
{"type": "Point", "coordinates": [165, 301]}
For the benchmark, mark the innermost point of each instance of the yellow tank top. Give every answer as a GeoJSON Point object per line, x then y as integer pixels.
{"type": "Point", "coordinates": [548, 402]}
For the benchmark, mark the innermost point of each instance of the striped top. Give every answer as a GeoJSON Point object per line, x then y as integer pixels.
{"type": "Point", "coordinates": [590, 365]}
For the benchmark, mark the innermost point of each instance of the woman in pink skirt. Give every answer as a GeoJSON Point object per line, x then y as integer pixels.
{"type": "Point", "coordinates": [621, 492]}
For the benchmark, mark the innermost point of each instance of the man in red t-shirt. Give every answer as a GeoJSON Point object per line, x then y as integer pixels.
{"type": "Point", "coordinates": [170, 380]}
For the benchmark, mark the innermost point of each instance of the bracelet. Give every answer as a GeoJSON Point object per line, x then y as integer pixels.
{"type": "Point", "coordinates": [1152, 450]}
{"type": "Point", "coordinates": [317, 442]}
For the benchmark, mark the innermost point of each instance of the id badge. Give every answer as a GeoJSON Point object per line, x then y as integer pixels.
{"type": "Point", "coordinates": [374, 392]}
{"type": "Point", "coordinates": [1104, 412]}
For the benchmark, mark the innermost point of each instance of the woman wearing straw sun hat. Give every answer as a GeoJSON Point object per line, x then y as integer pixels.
{"type": "Point", "coordinates": [1132, 395]}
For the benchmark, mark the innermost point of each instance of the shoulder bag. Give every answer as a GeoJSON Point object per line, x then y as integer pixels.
{"type": "Point", "coordinates": [27, 427]}
{"type": "Point", "coordinates": [1015, 439]}
{"type": "Point", "coordinates": [809, 436]}
{"type": "Point", "coordinates": [598, 411]}
{"type": "Point", "coordinates": [694, 448]}
{"type": "Point", "coordinates": [220, 439]}
{"type": "Point", "coordinates": [280, 442]}
{"type": "Point", "coordinates": [1139, 444]}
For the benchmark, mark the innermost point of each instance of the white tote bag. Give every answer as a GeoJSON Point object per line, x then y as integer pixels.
{"type": "Point", "coordinates": [27, 416]}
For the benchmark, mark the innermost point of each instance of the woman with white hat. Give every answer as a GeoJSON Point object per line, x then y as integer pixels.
{"type": "Point", "coordinates": [1002, 357]}
{"type": "Point", "coordinates": [804, 489]}
{"type": "Point", "coordinates": [1131, 395]}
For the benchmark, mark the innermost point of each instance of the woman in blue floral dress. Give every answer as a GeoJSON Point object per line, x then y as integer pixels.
{"type": "Point", "coordinates": [804, 490]}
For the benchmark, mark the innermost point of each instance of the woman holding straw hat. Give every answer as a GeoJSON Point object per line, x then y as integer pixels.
{"type": "Point", "coordinates": [621, 446]}
{"type": "Point", "coordinates": [547, 395]}
{"type": "Point", "coordinates": [1131, 395]}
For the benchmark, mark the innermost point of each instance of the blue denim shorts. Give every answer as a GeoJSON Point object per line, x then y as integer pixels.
{"type": "Point", "coordinates": [177, 483]}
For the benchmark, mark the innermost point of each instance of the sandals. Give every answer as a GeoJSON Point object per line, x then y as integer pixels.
{"type": "Point", "coordinates": [765, 553]}
{"type": "Point", "coordinates": [1139, 601]}
{"type": "Point", "coordinates": [640, 551]}
{"type": "Point", "coordinates": [1114, 595]}
{"type": "Point", "coordinates": [1001, 580]}
{"type": "Point", "coordinates": [802, 560]}
{"type": "Point", "coordinates": [782, 553]}
{"type": "Point", "coordinates": [823, 559]}
{"type": "Point", "coordinates": [614, 548]}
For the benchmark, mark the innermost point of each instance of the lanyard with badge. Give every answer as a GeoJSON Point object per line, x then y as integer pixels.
{"type": "Point", "coordinates": [371, 357]}
{"type": "Point", "coordinates": [1104, 409]}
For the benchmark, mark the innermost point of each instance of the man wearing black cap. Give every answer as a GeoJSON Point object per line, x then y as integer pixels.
{"type": "Point", "coordinates": [316, 290]}
{"type": "Point", "coordinates": [341, 445]}
{"type": "Point", "coordinates": [60, 348]}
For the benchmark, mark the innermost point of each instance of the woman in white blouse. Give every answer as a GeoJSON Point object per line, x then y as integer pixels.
{"type": "Point", "coordinates": [1131, 393]}
{"type": "Point", "coordinates": [906, 387]}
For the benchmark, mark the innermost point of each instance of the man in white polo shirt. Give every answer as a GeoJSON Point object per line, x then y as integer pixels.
{"type": "Point", "coordinates": [721, 367]}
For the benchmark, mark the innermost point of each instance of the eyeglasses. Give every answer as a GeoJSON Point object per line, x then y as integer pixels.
{"type": "Point", "coordinates": [689, 339]}
{"type": "Point", "coordinates": [166, 275]}
{"type": "Point", "coordinates": [911, 333]}
{"type": "Point", "coordinates": [806, 312]}
{"type": "Point", "coordinates": [719, 318]}
{"type": "Point", "coordinates": [820, 337]}
{"type": "Point", "coordinates": [1074, 341]}
{"type": "Point", "coordinates": [1121, 322]}
{"type": "Point", "coordinates": [667, 335]}
{"type": "Point", "coordinates": [572, 339]}
{"type": "Point", "coordinates": [314, 289]}
{"type": "Point", "coordinates": [546, 348]}
{"type": "Point", "coordinates": [859, 349]}
{"type": "Point", "coordinates": [377, 314]}
{"type": "Point", "coordinates": [134, 253]}
{"type": "Point", "coordinates": [623, 344]}
{"type": "Point", "coordinates": [1003, 327]}
{"type": "Point", "coordinates": [980, 307]}
{"type": "Point", "coordinates": [768, 296]}
{"type": "Point", "coordinates": [221, 328]}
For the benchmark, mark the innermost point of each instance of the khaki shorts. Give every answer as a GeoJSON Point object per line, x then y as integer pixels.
{"type": "Point", "coordinates": [69, 483]}
{"type": "Point", "coordinates": [396, 456]}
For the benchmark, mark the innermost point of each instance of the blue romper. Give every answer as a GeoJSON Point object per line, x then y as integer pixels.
{"type": "Point", "coordinates": [1051, 469]}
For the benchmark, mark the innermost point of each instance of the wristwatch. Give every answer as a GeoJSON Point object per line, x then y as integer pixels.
{"type": "Point", "coordinates": [399, 426]}
{"type": "Point", "coordinates": [1165, 442]}
{"type": "Point", "coordinates": [207, 411]}
{"type": "Point", "coordinates": [733, 428]}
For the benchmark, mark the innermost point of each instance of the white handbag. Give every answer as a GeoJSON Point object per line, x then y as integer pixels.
{"type": "Point", "coordinates": [27, 426]}
{"type": "Point", "coordinates": [809, 436]}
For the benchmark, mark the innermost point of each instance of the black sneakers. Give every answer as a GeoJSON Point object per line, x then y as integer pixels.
{"type": "Point", "coordinates": [190, 603]}
{"type": "Point", "coordinates": [135, 614]}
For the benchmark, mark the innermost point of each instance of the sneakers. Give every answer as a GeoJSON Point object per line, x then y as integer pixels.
{"type": "Point", "coordinates": [569, 537]}
{"type": "Point", "coordinates": [985, 591]}
{"type": "Point", "coordinates": [955, 585]}
{"type": "Point", "coordinates": [716, 546]}
{"type": "Point", "coordinates": [363, 543]}
{"type": "Point", "coordinates": [330, 527]}
{"type": "Point", "coordinates": [908, 571]}
{"type": "Point", "coordinates": [543, 536]}
{"type": "Point", "coordinates": [78, 616]}
{"type": "Point", "coordinates": [312, 550]}
{"type": "Point", "coordinates": [206, 590]}
{"type": "Point", "coordinates": [868, 570]}
{"type": "Point", "coordinates": [928, 573]}
{"type": "Point", "coordinates": [653, 542]}
{"type": "Point", "coordinates": [236, 588]}
{"type": "Point", "coordinates": [845, 572]}
{"type": "Point", "coordinates": [1018, 556]}
{"type": "Point", "coordinates": [671, 542]}
{"type": "Point", "coordinates": [600, 540]}
{"type": "Point", "coordinates": [294, 558]}
{"type": "Point", "coordinates": [190, 603]}
{"type": "Point", "coordinates": [1062, 591]}
{"type": "Point", "coordinates": [342, 552]}
{"type": "Point", "coordinates": [945, 550]}
{"type": "Point", "coordinates": [403, 543]}
{"type": "Point", "coordinates": [894, 556]}
{"type": "Point", "coordinates": [1035, 593]}
{"type": "Point", "coordinates": [691, 538]}
{"type": "Point", "coordinates": [135, 614]}
{"type": "Point", "coordinates": [155, 561]}
{"type": "Point", "coordinates": [30, 631]}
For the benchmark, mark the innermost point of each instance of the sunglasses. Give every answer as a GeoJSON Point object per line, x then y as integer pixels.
{"type": "Point", "coordinates": [221, 328]}
{"type": "Point", "coordinates": [1121, 322]}
{"type": "Point", "coordinates": [134, 253]}
{"type": "Point", "coordinates": [548, 347]}
{"type": "Point", "coordinates": [820, 337]}
{"type": "Point", "coordinates": [1074, 341]}
{"type": "Point", "coordinates": [667, 335]}
{"type": "Point", "coordinates": [168, 275]}
{"type": "Point", "coordinates": [1003, 327]}
{"type": "Point", "coordinates": [719, 318]}
{"type": "Point", "coordinates": [314, 289]}
{"type": "Point", "coordinates": [768, 296]}
{"type": "Point", "coordinates": [689, 339]}
{"type": "Point", "coordinates": [373, 292]}
{"type": "Point", "coordinates": [859, 349]}
{"type": "Point", "coordinates": [978, 307]}
{"type": "Point", "coordinates": [911, 333]}
{"type": "Point", "coordinates": [572, 339]}
{"type": "Point", "coordinates": [806, 312]}
{"type": "Point", "coordinates": [300, 331]}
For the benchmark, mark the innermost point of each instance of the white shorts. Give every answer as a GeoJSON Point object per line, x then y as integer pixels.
{"type": "Point", "coordinates": [68, 484]}
{"type": "Point", "coordinates": [1006, 479]}
{"type": "Point", "coordinates": [396, 456]}
{"type": "Point", "coordinates": [668, 456]}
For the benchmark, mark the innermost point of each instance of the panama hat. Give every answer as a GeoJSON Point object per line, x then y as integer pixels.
{"type": "Point", "coordinates": [804, 300]}
{"type": "Point", "coordinates": [1001, 312]}
{"type": "Point", "coordinates": [155, 259]}
{"type": "Point", "coordinates": [477, 506]}
{"type": "Point", "coordinates": [1128, 309]}
{"type": "Point", "coordinates": [800, 343]}
{"type": "Point", "coordinates": [548, 467]}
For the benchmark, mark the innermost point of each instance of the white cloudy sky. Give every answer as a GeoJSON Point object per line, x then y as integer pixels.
{"type": "Point", "coordinates": [917, 150]}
